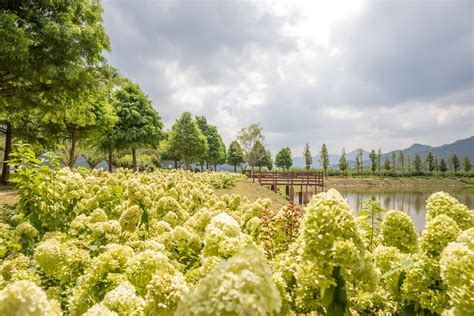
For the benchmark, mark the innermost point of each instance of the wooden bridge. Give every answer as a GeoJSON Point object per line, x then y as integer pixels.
{"type": "Point", "coordinates": [306, 181]}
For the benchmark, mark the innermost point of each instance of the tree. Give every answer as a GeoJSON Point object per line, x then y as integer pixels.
{"type": "Point", "coordinates": [50, 55]}
{"type": "Point", "coordinates": [216, 149]}
{"type": "Point", "coordinates": [283, 158]}
{"type": "Point", "coordinates": [456, 163]}
{"type": "Point", "coordinates": [257, 156]}
{"type": "Point", "coordinates": [379, 160]}
{"type": "Point", "coordinates": [268, 161]}
{"type": "Point", "coordinates": [235, 155]}
{"type": "Point", "coordinates": [138, 125]}
{"type": "Point", "coordinates": [324, 159]}
{"type": "Point", "coordinates": [467, 164]}
{"type": "Point", "coordinates": [343, 165]}
{"type": "Point", "coordinates": [83, 121]}
{"type": "Point", "coordinates": [186, 139]}
{"type": "Point", "coordinates": [394, 160]}
{"type": "Point", "coordinates": [373, 160]}
{"type": "Point", "coordinates": [408, 164]}
{"type": "Point", "coordinates": [401, 159]}
{"type": "Point", "coordinates": [442, 166]}
{"type": "Point", "coordinates": [386, 164]}
{"type": "Point", "coordinates": [417, 164]}
{"type": "Point", "coordinates": [359, 161]}
{"type": "Point", "coordinates": [308, 159]}
{"type": "Point", "coordinates": [247, 138]}
{"type": "Point", "coordinates": [169, 156]}
{"type": "Point", "coordinates": [430, 161]}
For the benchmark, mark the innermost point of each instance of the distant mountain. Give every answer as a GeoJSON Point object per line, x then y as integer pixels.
{"type": "Point", "coordinates": [462, 148]}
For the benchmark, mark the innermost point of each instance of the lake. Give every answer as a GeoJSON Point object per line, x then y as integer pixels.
{"type": "Point", "coordinates": [411, 200]}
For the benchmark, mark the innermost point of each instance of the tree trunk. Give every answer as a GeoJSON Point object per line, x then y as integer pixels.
{"type": "Point", "coordinates": [207, 165]}
{"type": "Point", "coordinates": [176, 164]}
{"type": "Point", "coordinates": [6, 154]}
{"type": "Point", "coordinates": [110, 160]}
{"type": "Point", "coordinates": [134, 158]}
{"type": "Point", "coordinates": [72, 152]}
{"type": "Point", "coordinates": [202, 166]}
{"type": "Point", "coordinates": [235, 168]}
{"type": "Point", "coordinates": [215, 167]}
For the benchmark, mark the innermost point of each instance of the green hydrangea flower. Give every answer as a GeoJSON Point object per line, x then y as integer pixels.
{"type": "Point", "coordinates": [241, 285]}
{"type": "Point", "coordinates": [438, 233]}
{"type": "Point", "coordinates": [443, 203]}
{"type": "Point", "coordinates": [457, 272]}
{"type": "Point", "coordinates": [24, 298]}
{"type": "Point", "coordinates": [397, 230]}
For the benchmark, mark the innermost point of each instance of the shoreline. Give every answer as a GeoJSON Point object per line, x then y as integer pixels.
{"type": "Point", "coordinates": [398, 182]}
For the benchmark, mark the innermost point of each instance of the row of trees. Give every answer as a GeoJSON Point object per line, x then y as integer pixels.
{"type": "Point", "coordinates": [393, 164]}
{"type": "Point", "coordinates": [57, 91]}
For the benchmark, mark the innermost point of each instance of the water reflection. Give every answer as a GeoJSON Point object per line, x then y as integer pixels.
{"type": "Point", "coordinates": [411, 200]}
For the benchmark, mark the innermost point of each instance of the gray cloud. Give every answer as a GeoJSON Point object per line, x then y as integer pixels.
{"type": "Point", "coordinates": [393, 74]}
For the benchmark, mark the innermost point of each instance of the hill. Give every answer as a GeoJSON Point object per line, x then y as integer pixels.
{"type": "Point", "coordinates": [461, 147]}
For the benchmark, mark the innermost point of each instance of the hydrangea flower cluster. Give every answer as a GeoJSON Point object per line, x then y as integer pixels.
{"type": "Point", "coordinates": [164, 243]}
{"type": "Point", "coordinates": [397, 230]}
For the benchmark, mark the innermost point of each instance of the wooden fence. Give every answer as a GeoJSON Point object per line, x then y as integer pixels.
{"type": "Point", "coordinates": [306, 181]}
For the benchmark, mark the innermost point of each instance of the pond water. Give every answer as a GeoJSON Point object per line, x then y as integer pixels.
{"type": "Point", "coordinates": [411, 200]}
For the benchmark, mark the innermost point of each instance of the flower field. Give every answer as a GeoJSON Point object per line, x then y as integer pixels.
{"type": "Point", "coordinates": [97, 243]}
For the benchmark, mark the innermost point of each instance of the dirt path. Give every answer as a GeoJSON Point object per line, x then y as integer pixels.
{"type": "Point", "coordinates": [254, 191]}
{"type": "Point", "coordinates": [8, 197]}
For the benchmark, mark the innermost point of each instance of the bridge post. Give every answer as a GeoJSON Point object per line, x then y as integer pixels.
{"type": "Point", "coordinates": [287, 190]}
{"type": "Point", "coordinates": [292, 194]}
{"type": "Point", "coordinates": [300, 197]}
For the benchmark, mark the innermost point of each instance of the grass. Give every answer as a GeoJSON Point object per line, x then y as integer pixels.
{"type": "Point", "coordinates": [253, 191]}
{"type": "Point", "coordinates": [469, 181]}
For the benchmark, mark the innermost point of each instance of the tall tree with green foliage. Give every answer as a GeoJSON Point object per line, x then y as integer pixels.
{"type": "Point", "coordinates": [467, 164]}
{"type": "Point", "coordinates": [379, 160]}
{"type": "Point", "coordinates": [324, 159]}
{"type": "Point", "coordinates": [169, 156]}
{"type": "Point", "coordinates": [186, 139]}
{"type": "Point", "coordinates": [359, 161]}
{"type": "Point", "coordinates": [215, 154]}
{"type": "Point", "coordinates": [443, 166]}
{"type": "Point", "coordinates": [235, 155]}
{"type": "Point", "coordinates": [257, 156]}
{"type": "Point", "coordinates": [138, 125]}
{"type": "Point", "coordinates": [456, 163]}
{"type": "Point", "coordinates": [283, 158]}
{"type": "Point", "coordinates": [50, 55]}
{"type": "Point", "coordinates": [373, 160]}
{"type": "Point", "coordinates": [247, 138]}
{"type": "Point", "coordinates": [417, 164]}
{"type": "Point", "coordinates": [308, 159]}
{"type": "Point", "coordinates": [343, 164]}
{"type": "Point", "coordinates": [394, 161]}
{"type": "Point", "coordinates": [401, 160]}
{"type": "Point", "coordinates": [430, 162]}
{"type": "Point", "coordinates": [386, 164]}
{"type": "Point", "coordinates": [84, 121]}
{"type": "Point", "coordinates": [268, 161]}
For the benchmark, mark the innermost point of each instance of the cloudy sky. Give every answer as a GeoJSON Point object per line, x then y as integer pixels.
{"type": "Point", "coordinates": [355, 74]}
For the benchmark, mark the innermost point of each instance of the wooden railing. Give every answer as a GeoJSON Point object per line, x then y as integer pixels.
{"type": "Point", "coordinates": [306, 181]}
